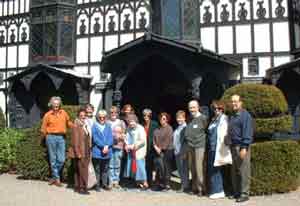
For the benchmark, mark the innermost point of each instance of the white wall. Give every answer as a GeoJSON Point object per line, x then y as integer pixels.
{"type": "Point", "coordinates": [96, 99]}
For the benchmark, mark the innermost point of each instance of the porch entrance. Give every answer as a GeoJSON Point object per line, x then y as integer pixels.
{"type": "Point", "coordinates": [157, 84]}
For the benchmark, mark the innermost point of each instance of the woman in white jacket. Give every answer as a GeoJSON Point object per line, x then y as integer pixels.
{"type": "Point", "coordinates": [218, 153]}
{"type": "Point", "coordinates": [136, 147]}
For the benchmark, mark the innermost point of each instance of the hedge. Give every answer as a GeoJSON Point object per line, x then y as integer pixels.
{"type": "Point", "coordinates": [267, 126]}
{"type": "Point", "coordinates": [275, 167]}
{"type": "Point", "coordinates": [260, 100]}
{"type": "Point", "coordinates": [32, 160]}
{"type": "Point", "coordinates": [9, 138]}
{"type": "Point", "coordinates": [31, 156]}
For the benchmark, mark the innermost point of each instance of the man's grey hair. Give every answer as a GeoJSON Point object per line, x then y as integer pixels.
{"type": "Point", "coordinates": [54, 98]}
{"type": "Point", "coordinates": [147, 111]}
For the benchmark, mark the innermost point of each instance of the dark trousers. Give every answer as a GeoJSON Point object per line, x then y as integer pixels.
{"type": "Point", "coordinates": [241, 172]}
{"type": "Point", "coordinates": [150, 167]}
{"type": "Point", "coordinates": [163, 167]}
{"type": "Point", "coordinates": [102, 171]}
{"type": "Point", "coordinates": [81, 173]}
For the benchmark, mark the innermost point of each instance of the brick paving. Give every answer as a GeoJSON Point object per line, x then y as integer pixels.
{"type": "Point", "coordinates": [15, 192]}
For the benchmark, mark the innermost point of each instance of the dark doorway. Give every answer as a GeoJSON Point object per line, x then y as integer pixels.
{"type": "Point", "coordinates": [156, 84]}
{"type": "Point", "coordinates": [289, 85]}
{"type": "Point", "coordinates": [67, 91]}
{"type": "Point", "coordinates": [210, 89]}
{"type": "Point", "coordinates": [42, 88]}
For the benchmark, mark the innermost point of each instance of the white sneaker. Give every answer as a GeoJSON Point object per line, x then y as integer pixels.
{"type": "Point", "coordinates": [217, 195]}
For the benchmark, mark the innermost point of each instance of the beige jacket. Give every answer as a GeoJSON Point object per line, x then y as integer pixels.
{"type": "Point", "coordinates": [223, 154]}
{"type": "Point", "coordinates": [139, 140]}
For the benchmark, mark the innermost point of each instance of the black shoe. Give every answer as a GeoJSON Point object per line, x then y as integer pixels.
{"type": "Point", "coordinates": [231, 197]}
{"type": "Point", "coordinates": [187, 191]}
{"type": "Point", "coordinates": [144, 188]}
{"type": "Point", "coordinates": [157, 188]}
{"type": "Point", "coordinates": [97, 189]}
{"type": "Point", "coordinates": [107, 188]}
{"type": "Point", "coordinates": [167, 187]}
{"type": "Point", "coordinates": [242, 199]}
{"type": "Point", "coordinates": [84, 192]}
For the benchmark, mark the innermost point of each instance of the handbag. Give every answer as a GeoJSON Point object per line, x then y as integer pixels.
{"type": "Point", "coordinates": [91, 176]}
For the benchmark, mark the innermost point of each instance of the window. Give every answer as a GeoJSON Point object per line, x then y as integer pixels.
{"type": "Point", "coordinates": [253, 66]}
{"type": "Point", "coordinates": [171, 15]}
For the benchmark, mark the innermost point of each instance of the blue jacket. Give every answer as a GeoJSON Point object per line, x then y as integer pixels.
{"type": "Point", "coordinates": [101, 139]}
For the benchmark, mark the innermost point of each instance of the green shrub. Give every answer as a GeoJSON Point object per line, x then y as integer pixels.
{"type": "Point", "coordinates": [275, 167]}
{"type": "Point", "coordinates": [31, 156]}
{"type": "Point", "coordinates": [2, 119]}
{"type": "Point", "coordinates": [260, 100]}
{"type": "Point", "coordinates": [71, 110]}
{"type": "Point", "coordinates": [9, 138]}
{"type": "Point", "coordinates": [32, 160]}
{"type": "Point", "coordinates": [267, 126]}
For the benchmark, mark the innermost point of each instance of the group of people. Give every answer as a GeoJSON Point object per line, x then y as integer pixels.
{"type": "Point", "coordinates": [120, 146]}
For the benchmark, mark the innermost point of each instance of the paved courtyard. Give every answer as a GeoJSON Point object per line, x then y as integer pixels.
{"type": "Point", "coordinates": [15, 192]}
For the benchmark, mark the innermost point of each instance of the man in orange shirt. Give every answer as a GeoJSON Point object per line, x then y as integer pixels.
{"type": "Point", "coordinates": [54, 128]}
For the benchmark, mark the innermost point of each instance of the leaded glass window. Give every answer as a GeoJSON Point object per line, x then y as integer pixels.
{"type": "Point", "coordinates": [50, 39]}
{"type": "Point", "coordinates": [66, 34]}
{"type": "Point", "coordinates": [171, 18]}
{"type": "Point", "coordinates": [190, 19]}
{"type": "Point", "coordinates": [37, 41]}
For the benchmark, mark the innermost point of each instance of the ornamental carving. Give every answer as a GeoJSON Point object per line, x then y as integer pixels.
{"type": "Point", "coordinates": [24, 34]}
{"type": "Point", "coordinates": [97, 26]}
{"type": "Point", "coordinates": [2, 37]}
{"type": "Point", "coordinates": [12, 36]}
{"type": "Point", "coordinates": [207, 16]}
{"type": "Point", "coordinates": [280, 10]}
{"type": "Point", "coordinates": [111, 24]}
{"type": "Point", "coordinates": [127, 22]}
{"type": "Point", "coordinates": [261, 11]}
{"type": "Point", "coordinates": [142, 20]}
{"type": "Point", "coordinates": [243, 13]}
{"type": "Point", "coordinates": [224, 14]}
{"type": "Point", "coordinates": [82, 27]}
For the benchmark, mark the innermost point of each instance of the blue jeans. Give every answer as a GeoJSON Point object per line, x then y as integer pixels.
{"type": "Point", "coordinates": [56, 149]}
{"type": "Point", "coordinates": [115, 165]}
{"type": "Point", "coordinates": [214, 174]}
